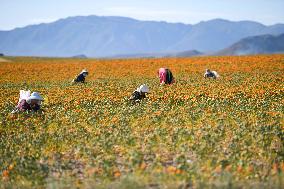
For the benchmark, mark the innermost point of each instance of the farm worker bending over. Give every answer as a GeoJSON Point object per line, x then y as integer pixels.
{"type": "Point", "coordinates": [166, 76]}
{"type": "Point", "coordinates": [139, 93]}
{"type": "Point", "coordinates": [81, 77]}
{"type": "Point", "coordinates": [28, 101]}
{"type": "Point", "coordinates": [211, 74]}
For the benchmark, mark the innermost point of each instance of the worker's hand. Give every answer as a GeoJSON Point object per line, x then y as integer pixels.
{"type": "Point", "coordinates": [15, 111]}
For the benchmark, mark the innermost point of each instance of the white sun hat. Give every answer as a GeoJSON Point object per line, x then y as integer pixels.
{"type": "Point", "coordinates": [143, 88]}
{"type": "Point", "coordinates": [35, 96]}
{"type": "Point", "coordinates": [216, 74]}
{"type": "Point", "coordinates": [84, 71]}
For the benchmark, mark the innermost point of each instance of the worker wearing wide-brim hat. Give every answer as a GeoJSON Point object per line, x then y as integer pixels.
{"type": "Point", "coordinates": [81, 77]}
{"type": "Point", "coordinates": [31, 102]}
{"type": "Point", "coordinates": [139, 93]}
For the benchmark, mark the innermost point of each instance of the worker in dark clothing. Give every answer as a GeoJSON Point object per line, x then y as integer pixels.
{"type": "Point", "coordinates": [211, 74]}
{"type": "Point", "coordinates": [81, 77]}
{"type": "Point", "coordinates": [139, 93]}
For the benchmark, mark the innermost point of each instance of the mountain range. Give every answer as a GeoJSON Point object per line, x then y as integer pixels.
{"type": "Point", "coordinates": [109, 36]}
{"type": "Point", "coordinates": [262, 44]}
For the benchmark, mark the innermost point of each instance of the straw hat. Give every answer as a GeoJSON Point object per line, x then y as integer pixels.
{"type": "Point", "coordinates": [143, 88]}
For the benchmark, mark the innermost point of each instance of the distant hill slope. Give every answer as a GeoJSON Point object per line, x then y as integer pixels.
{"type": "Point", "coordinates": [96, 36]}
{"type": "Point", "coordinates": [79, 56]}
{"type": "Point", "coordinates": [263, 44]}
{"type": "Point", "coordinates": [189, 53]}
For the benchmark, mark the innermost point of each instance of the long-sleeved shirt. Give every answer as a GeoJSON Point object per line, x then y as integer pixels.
{"type": "Point", "coordinates": [80, 78]}
{"type": "Point", "coordinates": [166, 76]}
{"type": "Point", "coordinates": [162, 73]}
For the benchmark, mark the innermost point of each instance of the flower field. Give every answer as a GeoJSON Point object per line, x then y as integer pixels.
{"type": "Point", "coordinates": [196, 133]}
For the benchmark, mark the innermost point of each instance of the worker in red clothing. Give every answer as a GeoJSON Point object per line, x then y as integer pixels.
{"type": "Point", "coordinates": [166, 77]}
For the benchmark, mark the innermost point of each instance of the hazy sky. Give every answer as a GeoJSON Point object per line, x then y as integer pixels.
{"type": "Point", "coordinates": [17, 13]}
